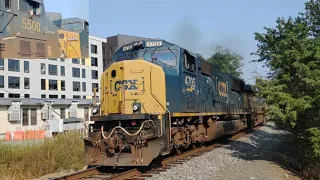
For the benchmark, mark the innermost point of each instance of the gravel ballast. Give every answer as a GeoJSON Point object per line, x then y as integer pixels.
{"type": "Point", "coordinates": [263, 154]}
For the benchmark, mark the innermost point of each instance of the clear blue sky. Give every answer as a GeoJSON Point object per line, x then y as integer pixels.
{"type": "Point", "coordinates": [197, 25]}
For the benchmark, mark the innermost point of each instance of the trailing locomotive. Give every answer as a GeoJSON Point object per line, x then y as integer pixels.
{"type": "Point", "coordinates": [28, 32]}
{"type": "Point", "coordinates": [157, 96]}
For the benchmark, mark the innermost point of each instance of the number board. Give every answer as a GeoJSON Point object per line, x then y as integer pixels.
{"type": "Point", "coordinates": [153, 43]}
{"type": "Point", "coordinates": [30, 25]}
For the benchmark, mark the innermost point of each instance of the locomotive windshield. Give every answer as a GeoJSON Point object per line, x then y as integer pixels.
{"type": "Point", "coordinates": [28, 5]}
{"type": "Point", "coordinates": [145, 50]}
{"type": "Point", "coordinates": [73, 26]}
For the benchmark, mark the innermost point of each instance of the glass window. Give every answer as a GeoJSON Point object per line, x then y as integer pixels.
{"type": "Point", "coordinates": [63, 96]}
{"type": "Point", "coordinates": [14, 82]}
{"type": "Point", "coordinates": [1, 81]}
{"type": "Point", "coordinates": [84, 88]}
{"type": "Point", "coordinates": [62, 113]}
{"type": "Point", "coordinates": [94, 74]}
{"type": "Point", "coordinates": [26, 83]}
{"type": "Point", "coordinates": [76, 97]}
{"type": "Point", "coordinates": [25, 117]}
{"type": "Point", "coordinates": [53, 96]}
{"type": "Point", "coordinates": [76, 72]}
{"type": "Point", "coordinates": [76, 86]}
{"type": "Point", "coordinates": [14, 65]}
{"type": "Point", "coordinates": [1, 64]}
{"type": "Point", "coordinates": [94, 49]}
{"type": "Point", "coordinates": [189, 62]}
{"type": "Point", "coordinates": [33, 115]}
{"type": "Point", "coordinates": [53, 69]}
{"type": "Point", "coordinates": [94, 61]}
{"type": "Point", "coordinates": [76, 61]}
{"type": "Point", "coordinates": [63, 73]}
{"type": "Point", "coordinates": [63, 85]}
{"type": "Point", "coordinates": [83, 73]}
{"type": "Point", "coordinates": [95, 85]}
{"type": "Point", "coordinates": [165, 56]}
{"type": "Point", "coordinates": [14, 95]}
{"type": "Point", "coordinates": [43, 96]}
{"type": "Point", "coordinates": [26, 95]}
{"type": "Point", "coordinates": [7, 3]}
{"type": "Point", "coordinates": [1, 95]}
{"type": "Point", "coordinates": [26, 66]}
{"type": "Point", "coordinates": [53, 85]}
{"type": "Point", "coordinates": [27, 5]}
{"type": "Point", "coordinates": [43, 84]}
{"type": "Point", "coordinates": [43, 68]}
{"type": "Point", "coordinates": [83, 61]}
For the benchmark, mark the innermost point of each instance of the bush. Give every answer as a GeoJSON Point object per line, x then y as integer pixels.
{"type": "Point", "coordinates": [63, 152]}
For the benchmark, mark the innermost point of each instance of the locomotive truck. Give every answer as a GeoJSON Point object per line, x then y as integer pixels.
{"type": "Point", "coordinates": [157, 97]}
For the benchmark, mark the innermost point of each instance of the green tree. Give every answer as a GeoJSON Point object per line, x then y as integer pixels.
{"type": "Point", "coordinates": [227, 61]}
{"type": "Point", "coordinates": [291, 50]}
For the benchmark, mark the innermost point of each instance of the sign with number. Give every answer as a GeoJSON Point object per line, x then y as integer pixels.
{"type": "Point", "coordinates": [30, 25]}
{"type": "Point", "coordinates": [190, 83]}
{"type": "Point", "coordinates": [72, 38]}
{"type": "Point", "coordinates": [153, 43]}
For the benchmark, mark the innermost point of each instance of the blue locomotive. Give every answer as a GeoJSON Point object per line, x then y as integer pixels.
{"type": "Point", "coordinates": [157, 96]}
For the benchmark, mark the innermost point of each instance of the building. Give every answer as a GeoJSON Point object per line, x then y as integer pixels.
{"type": "Point", "coordinates": [115, 42]}
{"type": "Point", "coordinates": [34, 90]}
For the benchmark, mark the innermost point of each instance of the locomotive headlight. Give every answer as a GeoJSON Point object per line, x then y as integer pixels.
{"type": "Point", "coordinates": [136, 107]}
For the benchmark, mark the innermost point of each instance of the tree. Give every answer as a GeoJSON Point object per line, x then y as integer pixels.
{"type": "Point", "coordinates": [291, 50]}
{"type": "Point", "coordinates": [227, 61]}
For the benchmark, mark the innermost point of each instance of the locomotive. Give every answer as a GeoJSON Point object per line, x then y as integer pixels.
{"type": "Point", "coordinates": [157, 97]}
{"type": "Point", "coordinates": [27, 31]}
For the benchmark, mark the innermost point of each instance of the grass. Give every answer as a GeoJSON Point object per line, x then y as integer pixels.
{"type": "Point", "coordinates": [63, 152]}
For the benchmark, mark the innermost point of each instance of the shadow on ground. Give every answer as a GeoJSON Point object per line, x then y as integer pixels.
{"type": "Point", "coordinates": [268, 144]}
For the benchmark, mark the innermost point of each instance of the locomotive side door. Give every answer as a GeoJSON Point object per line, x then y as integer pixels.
{"type": "Point", "coordinates": [190, 89]}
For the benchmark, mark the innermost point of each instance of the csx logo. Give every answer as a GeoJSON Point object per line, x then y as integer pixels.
{"type": "Point", "coordinates": [222, 89]}
{"type": "Point", "coordinates": [127, 84]}
{"type": "Point", "coordinates": [190, 83]}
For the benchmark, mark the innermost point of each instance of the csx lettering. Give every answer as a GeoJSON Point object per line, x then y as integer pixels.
{"type": "Point", "coordinates": [127, 84]}
{"type": "Point", "coordinates": [30, 25]}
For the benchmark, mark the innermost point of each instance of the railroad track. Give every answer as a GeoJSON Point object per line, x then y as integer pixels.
{"type": "Point", "coordinates": [167, 163]}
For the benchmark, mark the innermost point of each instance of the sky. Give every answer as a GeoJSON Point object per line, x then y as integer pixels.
{"type": "Point", "coordinates": [197, 25]}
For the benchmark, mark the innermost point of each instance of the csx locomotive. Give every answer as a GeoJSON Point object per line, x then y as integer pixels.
{"type": "Point", "coordinates": [28, 32]}
{"type": "Point", "coordinates": [157, 97]}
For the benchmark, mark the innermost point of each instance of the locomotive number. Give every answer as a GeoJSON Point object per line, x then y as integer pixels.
{"type": "Point", "coordinates": [30, 24]}
{"type": "Point", "coordinates": [190, 83]}
{"type": "Point", "coordinates": [154, 43]}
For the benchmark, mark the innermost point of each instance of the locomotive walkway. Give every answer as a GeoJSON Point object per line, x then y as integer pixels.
{"type": "Point", "coordinates": [264, 154]}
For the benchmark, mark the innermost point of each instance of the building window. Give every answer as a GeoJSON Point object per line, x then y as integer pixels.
{"type": "Point", "coordinates": [83, 61]}
{"type": "Point", "coordinates": [62, 60]}
{"type": "Point", "coordinates": [76, 97]}
{"type": "Point", "coordinates": [26, 83]}
{"type": "Point", "coordinates": [76, 86]}
{"type": "Point", "coordinates": [33, 115]}
{"type": "Point", "coordinates": [94, 49]}
{"type": "Point", "coordinates": [94, 61]}
{"type": "Point", "coordinates": [25, 117]}
{"type": "Point", "coordinates": [53, 96]}
{"type": "Point", "coordinates": [84, 87]}
{"type": "Point", "coordinates": [14, 65]}
{"type": "Point", "coordinates": [63, 96]}
{"type": "Point", "coordinates": [26, 66]}
{"type": "Point", "coordinates": [94, 74]}
{"type": "Point", "coordinates": [53, 69]}
{"type": "Point", "coordinates": [95, 85]}
{"type": "Point", "coordinates": [7, 4]}
{"type": "Point", "coordinates": [76, 72]}
{"type": "Point", "coordinates": [1, 95]}
{"type": "Point", "coordinates": [1, 81]}
{"type": "Point", "coordinates": [104, 49]}
{"type": "Point", "coordinates": [63, 85]}
{"type": "Point", "coordinates": [76, 61]}
{"type": "Point", "coordinates": [43, 68]}
{"type": "Point", "coordinates": [83, 73]}
{"type": "Point", "coordinates": [14, 82]}
{"type": "Point", "coordinates": [14, 95]}
{"type": "Point", "coordinates": [53, 85]}
{"type": "Point", "coordinates": [52, 59]}
{"type": "Point", "coordinates": [84, 97]}
{"type": "Point", "coordinates": [63, 73]}
{"type": "Point", "coordinates": [43, 84]}
{"type": "Point", "coordinates": [26, 95]}
{"type": "Point", "coordinates": [43, 96]}
{"type": "Point", "coordinates": [62, 113]}
{"type": "Point", "coordinates": [1, 64]}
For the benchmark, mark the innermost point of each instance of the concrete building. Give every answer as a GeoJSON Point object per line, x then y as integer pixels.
{"type": "Point", "coordinates": [34, 90]}
{"type": "Point", "coordinates": [115, 42]}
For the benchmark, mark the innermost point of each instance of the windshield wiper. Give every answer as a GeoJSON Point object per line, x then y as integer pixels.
{"type": "Point", "coordinates": [172, 52]}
